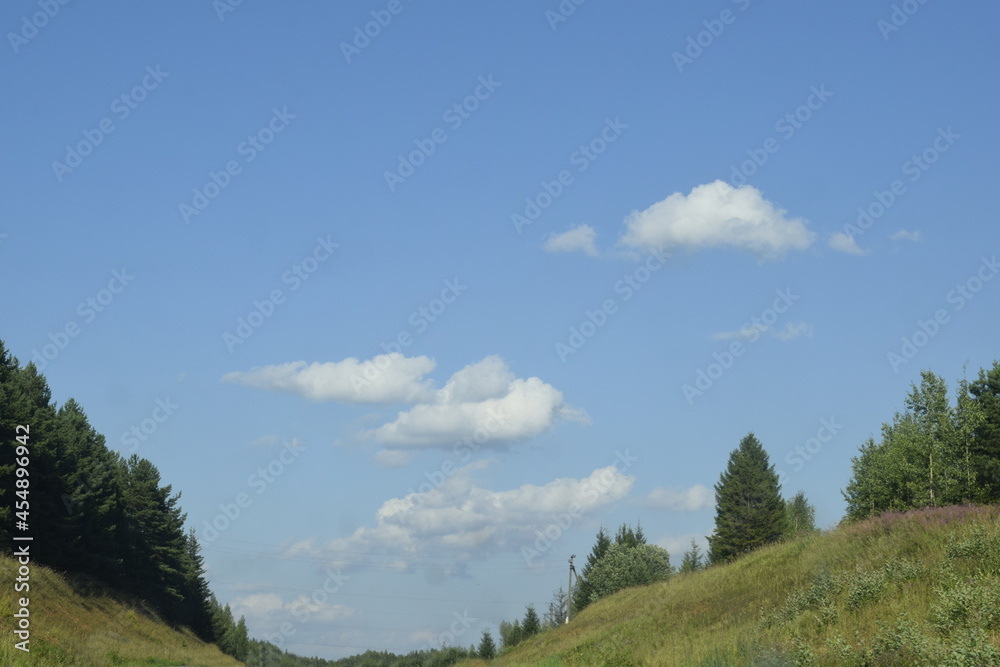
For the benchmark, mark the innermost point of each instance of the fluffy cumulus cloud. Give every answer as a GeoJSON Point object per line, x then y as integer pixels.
{"type": "Point", "coordinates": [842, 242]}
{"type": "Point", "coordinates": [717, 214]}
{"type": "Point", "coordinates": [692, 499]}
{"type": "Point", "coordinates": [484, 401]}
{"type": "Point", "coordinates": [578, 239]}
{"type": "Point", "coordinates": [388, 378]}
{"type": "Point", "coordinates": [457, 520]}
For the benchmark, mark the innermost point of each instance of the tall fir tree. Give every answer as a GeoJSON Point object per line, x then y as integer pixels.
{"type": "Point", "coordinates": [487, 648]}
{"type": "Point", "coordinates": [749, 510]}
{"type": "Point", "coordinates": [531, 625]}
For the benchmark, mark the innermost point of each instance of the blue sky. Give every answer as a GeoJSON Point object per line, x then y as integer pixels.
{"type": "Point", "coordinates": [608, 243]}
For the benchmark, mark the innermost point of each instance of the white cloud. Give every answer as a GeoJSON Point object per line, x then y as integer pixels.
{"type": "Point", "coordinates": [903, 235]}
{"type": "Point", "coordinates": [578, 239]}
{"type": "Point", "coordinates": [745, 332]}
{"type": "Point", "coordinates": [269, 609]}
{"type": "Point", "coordinates": [843, 242]}
{"type": "Point", "coordinates": [716, 214]}
{"type": "Point", "coordinates": [483, 400]}
{"type": "Point", "coordinates": [793, 330]}
{"type": "Point", "coordinates": [388, 378]}
{"type": "Point", "coordinates": [459, 520]}
{"type": "Point", "coordinates": [692, 499]}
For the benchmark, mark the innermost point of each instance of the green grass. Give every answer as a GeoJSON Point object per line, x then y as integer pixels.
{"type": "Point", "coordinates": [74, 622]}
{"type": "Point", "coordinates": [913, 588]}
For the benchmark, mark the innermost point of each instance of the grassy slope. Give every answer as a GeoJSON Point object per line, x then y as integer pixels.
{"type": "Point", "coordinates": [93, 628]}
{"type": "Point", "coordinates": [916, 588]}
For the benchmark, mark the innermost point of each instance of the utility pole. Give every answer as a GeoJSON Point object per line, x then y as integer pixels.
{"type": "Point", "coordinates": [569, 593]}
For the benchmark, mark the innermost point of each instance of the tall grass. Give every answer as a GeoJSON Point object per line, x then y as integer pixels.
{"type": "Point", "coordinates": [74, 622]}
{"type": "Point", "coordinates": [906, 588]}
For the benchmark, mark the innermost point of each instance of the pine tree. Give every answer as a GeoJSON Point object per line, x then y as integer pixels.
{"type": "Point", "coordinates": [487, 649]}
{"type": "Point", "coordinates": [156, 537]}
{"type": "Point", "coordinates": [749, 510]}
{"type": "Point", "coordinates": [93, 499]}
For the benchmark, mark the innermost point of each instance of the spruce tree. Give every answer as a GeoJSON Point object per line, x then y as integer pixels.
{"type": "Point", "coordinates": [749, 510]}
{"type": "Point", "coordinates": [487, 648]}
{"type": "Point", "coordinates": [531, 624]}
{"type": "Point", "coordinates": [692, 558]}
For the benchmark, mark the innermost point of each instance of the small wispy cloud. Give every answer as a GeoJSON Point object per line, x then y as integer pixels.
{"type": "Point", "coordinates": [842, 242]}
{"type": "Point", "coordinates": [744, 333]}
{"type": "Point", "coordinates": [904, 235]}
{"type": "Point", "coordinates": [793, 330]}
{"type": "Point", "coordinates": [578, 239]}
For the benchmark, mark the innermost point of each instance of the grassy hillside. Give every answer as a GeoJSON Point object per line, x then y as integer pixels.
{"type": "Point", "coordinates": [71, 625]}
{"type": "Point", "coordinates": [913, 588]}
